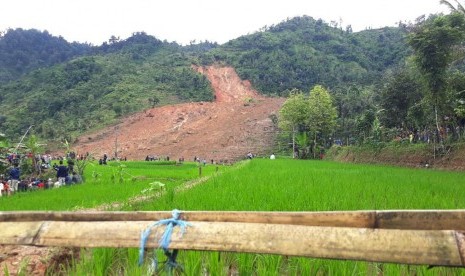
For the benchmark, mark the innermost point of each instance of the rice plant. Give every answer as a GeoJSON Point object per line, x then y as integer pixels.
{"type": "Point", "coordinates": [255, 185]}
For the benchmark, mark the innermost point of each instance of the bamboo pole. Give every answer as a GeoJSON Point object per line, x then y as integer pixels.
{"type": "Point", "coordinates": [395, 219]}
{"type": "Point", "coordinates": [432, 247]}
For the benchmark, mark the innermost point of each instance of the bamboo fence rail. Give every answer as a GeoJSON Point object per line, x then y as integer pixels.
{"type": "Point", "coordinates": [433, 237]}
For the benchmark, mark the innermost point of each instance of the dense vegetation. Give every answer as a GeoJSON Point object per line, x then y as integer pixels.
{"type": "Point", "coordinates": [22, 51]}
{"type": "Point", "coordinates": [93, 90]}
{"type": "Point", "coordinates": [301, 52]}
{"type": "Point", "coordinates": [421, 100]}
{"type": "Point", "coordinates": [125, 76]}
{"type": "Point", "coordinates": [377, 81]}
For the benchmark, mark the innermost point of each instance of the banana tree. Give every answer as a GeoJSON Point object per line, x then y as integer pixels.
{"type": "Point", "coordinates": [4, 146]}
{"type": "Point", "coordinates": [80, 163]}
{"type": "Point", "coordinates": [303, 143]}
{"type": "Point", "coordinates": [34, 147]}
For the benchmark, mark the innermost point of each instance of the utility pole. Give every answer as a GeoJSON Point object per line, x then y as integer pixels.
{"type": "Point", "coordinates": [116, 142]}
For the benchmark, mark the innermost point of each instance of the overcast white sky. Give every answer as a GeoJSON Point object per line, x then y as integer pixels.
{"type": "Point", "coordinates": [95, 21]}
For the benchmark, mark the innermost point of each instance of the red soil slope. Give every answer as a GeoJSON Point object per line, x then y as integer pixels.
{"type": "Point", "coordinates": [236, 123]}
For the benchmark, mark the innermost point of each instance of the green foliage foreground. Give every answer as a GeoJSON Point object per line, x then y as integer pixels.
{"type": "Point", "coordinates": [272, 185]}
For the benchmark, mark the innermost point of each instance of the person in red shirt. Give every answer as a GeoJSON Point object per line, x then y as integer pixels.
{"type": "Point", "coordinates": [6, 188]}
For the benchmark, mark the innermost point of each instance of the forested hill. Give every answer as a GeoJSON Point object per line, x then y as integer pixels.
{"type": "Point", "coordinates": [96, 85]}
{"type": "Point", "coordinates": [22, 51]}
{"type": "Point", "coordinates": [301, 52]}
{"type": "Point", "coordinates": [91, 91]}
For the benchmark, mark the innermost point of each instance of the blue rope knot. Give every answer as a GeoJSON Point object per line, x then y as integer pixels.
{"type": "Point", "coordinates": [165, 239]}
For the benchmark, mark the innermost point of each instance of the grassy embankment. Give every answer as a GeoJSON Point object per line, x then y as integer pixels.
{"type": "Point", "coordinates": [417, 155]}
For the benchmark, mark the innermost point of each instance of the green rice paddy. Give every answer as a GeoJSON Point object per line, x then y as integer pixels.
{"type": "Point", "coordinates": [256, 185]}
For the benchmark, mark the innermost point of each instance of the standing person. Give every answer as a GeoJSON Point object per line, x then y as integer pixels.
{"type": "Point", "coordinates": [49, 184]}
{"type": "Point", "coordinates": [76, 178]}
{"type": "Point", "coordinates": [70, 162]}
{"type": "Point", "coordinates": [105, 157]}
{"type": "Point", "coordinates": [6, 188]}
{"type": "Point", "coordinates": [14, 178]}
{"type": "Point", "coordinates": [62, 173]}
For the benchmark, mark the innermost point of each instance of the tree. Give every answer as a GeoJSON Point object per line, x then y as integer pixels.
{"type": "Point", "coordinates": [364, 124]}
{"type": "Point", "coordinates": [4, 147]}
{"type": "Point", "coordinates": [459, 7]}
{"type": "Point", "coordinates": [401, 91]}
{"type": "Point", "coordinates": [80, 163]}
{"type": "Point", "coordinates": [351, 102]}
{"type": "Point", "coordinates": [34, 147]}
{"type": "Point", "coordinates": [303, 143]}
{"type": "Point", "coordinates": [153, 101]}
{"type": "Point", "coordinates": [456, 102]}
{"type": "Point", "coordinates": [293, 114]}
{"type": "Point", "coordinates": [322, 116]}
{"type": "Point", "coordinates": [113, 39]}
{"type": "Point", "coordinates": [4, 144]}
{"type": "Point", "coordinates": [434, 43]}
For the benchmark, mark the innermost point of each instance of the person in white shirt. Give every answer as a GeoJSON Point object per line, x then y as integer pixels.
{"type": "Point", "coordinates": [272, 156]}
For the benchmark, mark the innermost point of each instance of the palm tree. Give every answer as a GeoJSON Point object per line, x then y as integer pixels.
{"type": "Point", "coordinates": [459, 7]}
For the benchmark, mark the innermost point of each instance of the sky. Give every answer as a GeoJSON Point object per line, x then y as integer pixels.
{"type": "Point", "coordinates": [183, 21]}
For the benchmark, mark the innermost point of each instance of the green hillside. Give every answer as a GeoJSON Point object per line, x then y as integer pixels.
{"type": "Point", "coordinates": [22, 51]}
{"type": "Point", "coordinates": [91, 91]}
{"type": "Point", "coordinates": [101, 84]}
{"type": "Point", "coordinates": [301, 52]}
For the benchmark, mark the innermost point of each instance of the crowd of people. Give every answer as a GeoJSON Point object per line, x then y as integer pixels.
{"type": "Point", "coordinates": [13, 181]}
{"type": "Point", "coordinates": [64, 175]}
{"type": "Point", "coordinates": [157, 158]}
{"type": "Point", "coordinates": [181, 160]}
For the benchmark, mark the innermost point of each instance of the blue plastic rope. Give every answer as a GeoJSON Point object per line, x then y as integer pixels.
{"type": "Point", "coordinates": [165, 239]}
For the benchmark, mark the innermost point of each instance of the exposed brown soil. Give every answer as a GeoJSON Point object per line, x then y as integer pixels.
{"type": "Point", "coordinates": [236, 123]}
{"type": "Point", "coordinates": [225, 130]}
{"type": "Point", "coordinates": [23, 259]}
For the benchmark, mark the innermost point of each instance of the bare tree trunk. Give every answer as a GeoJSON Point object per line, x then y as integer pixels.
{"type": "Point", "coordinates": [438, 129]}
{"type": "Point", "coordinates": [293, 141]}
{"type": "Point", "coordinates": [314, 147]}
{"type": "Point", "coordinates": [437, 122]}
